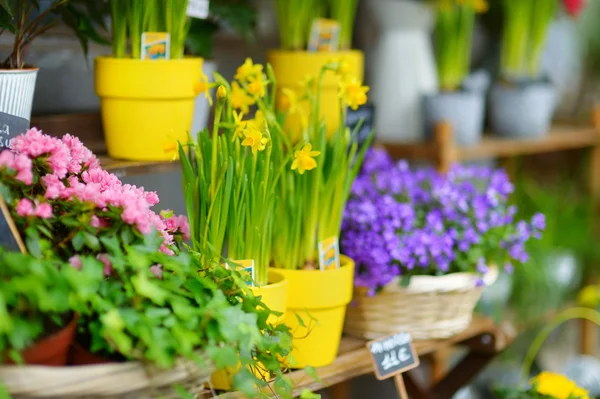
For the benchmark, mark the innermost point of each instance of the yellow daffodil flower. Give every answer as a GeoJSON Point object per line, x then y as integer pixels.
{"type": "Point", "coordinates": [240, 99]}
{"type": "Point", "coordinates": [353, 93]}
{"type": "Point", "coordinates": [254, 139]}
{"type": "Point", "coordinates": [240, 125]}
{"type": "Point", "coordinates": [259, 121]}
{"type": "Point", "coordinates": [289, 100]}
{"type": "Point", "coordinates": [248, 70]}
{"type": "Point", "coordinates": [342, 67]}
{"type": "Point", "coordinates": [557, 386]}
{"type": "Point", "coordinates": [304, 159]}
{"type": "Point", "coordinates": [203, 86]}
{"type": "Point", "coordinates": [256, 86]}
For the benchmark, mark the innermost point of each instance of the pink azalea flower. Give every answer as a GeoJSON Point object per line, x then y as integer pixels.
{"type": "Point", "coordinates": [7, 158]}
{"type": "Point", "coordinates": [44, 210]}
{"type": "Point", "coordinates": [157, 270]}
{"type": "Point", "coordinates": [80, 154]}
{"type": "Point", "coordinates": [25, 207]}
{"type": "Point", "coordinates": [166, 250]}
{"type": "Point", "coordinates": [75, 261]}
{"type": "Point", "coordinates": [107, 265]}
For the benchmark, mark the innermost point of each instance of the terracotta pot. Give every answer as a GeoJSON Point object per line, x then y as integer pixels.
{"type": "Point", "coordinates": [52, 350]}
{"type": "Point", "coordinates": [81, 356]}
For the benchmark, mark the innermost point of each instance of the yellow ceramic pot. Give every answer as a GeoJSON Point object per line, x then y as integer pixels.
{"type": "Point", "coordinates": [291, 67]}
{"type": "Point", "coordinates": [274, 295]}
{"type": "Point", "coordinates": [147, 105]}
{"type": "Point", "coordinates": [320, 299]}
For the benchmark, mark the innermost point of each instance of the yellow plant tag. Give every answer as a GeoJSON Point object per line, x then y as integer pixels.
{"type": "Point", "coordinates": [329, 254]}
{"type": "Point", "coordinates": [324, 35]}
{"type": "Point", "coordinates": [244, 267]}
{"type": "Point", "coordinates": [155, 45]}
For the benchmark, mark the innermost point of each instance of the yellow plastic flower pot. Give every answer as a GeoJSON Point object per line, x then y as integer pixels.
{"type": "Point", "coordinates": [274, 295]}
{"type": "Point", "coordinates": [146, 105]}
{"type": "Point", "coordinates": [320, 299]}
{"type": "Point", "coordinates": [292, 67]}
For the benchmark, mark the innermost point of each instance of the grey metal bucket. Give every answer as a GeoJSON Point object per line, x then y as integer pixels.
{"type": "Point", "coordinates": [462, 109]}
{"type": "Point", "coordinates": [522, 111]}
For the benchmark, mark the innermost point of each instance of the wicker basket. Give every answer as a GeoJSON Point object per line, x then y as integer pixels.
{"type": "Point", "coordinates": [131, 380]}
{"type": "Point", "coordinates": [431, 307]}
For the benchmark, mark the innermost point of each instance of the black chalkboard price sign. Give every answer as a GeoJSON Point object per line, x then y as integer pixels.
{"type": "Point", "coordinates": [11, 126]}
{"type": "Point", "coordinates": [392, 356]}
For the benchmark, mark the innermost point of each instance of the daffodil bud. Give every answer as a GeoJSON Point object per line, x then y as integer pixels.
{"type": "Point", "coordinates": [221, 93]}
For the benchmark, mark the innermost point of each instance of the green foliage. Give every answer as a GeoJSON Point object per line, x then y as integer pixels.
{"type": "Point", "coordinates": [131, 18]}
{"type": "Point", "coordinates": [453, 38]}
{"type": "Point", "coordinates": [344, 11]}
{"type": "Point", "coordinates": [526, 26]}
{"type": "Point", "coordinates": [26, 21]}
{"type": "Point", "coordinates": [38, 296]}
{"type": "Point", "coordinates": [569, 229]}
{"type": "Point", "coordinates": [240, 15]}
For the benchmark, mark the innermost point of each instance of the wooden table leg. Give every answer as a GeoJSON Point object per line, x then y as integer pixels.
{"type": "Point", "coordinates": [589, 337]}
{"type": "Point", "coordinates": [439, 365]}
{"type": "Point", "coordinates": [341, 391]}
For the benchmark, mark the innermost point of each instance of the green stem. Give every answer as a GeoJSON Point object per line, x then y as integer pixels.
{"type": "Point", "coordinates": [570, 314]}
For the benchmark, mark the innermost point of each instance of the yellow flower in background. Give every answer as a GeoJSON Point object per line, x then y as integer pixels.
{"type": "Point", "coordinates": [589, 296]}
{"type": "Point", "coordinates": [289, 100]}
{"type": "Point", "coordinates": [254, 139]}
{"type": "Point", "coordinates": [308, 83]}
{"type": "Point", "coordinates": [480, 6]}
{"type": "Point", "coordinates": [557, 386]}
{"type": "Point", "coordinates": [248, 70]}
{"type": "Point", "coordinates": [342, 67]}
{"type": "Point", "coordinates": [203, 86]}
{"type": "Point", "coordinates": [304, 159]}
{"type": "Point", "coordinates": [240, 99]}
{"type": "Point", "coordinates": [353, 93]}
{"type": "Point", "coordinates": [256, 85]}
{"type": "Point", "coordinates": [259, 121]}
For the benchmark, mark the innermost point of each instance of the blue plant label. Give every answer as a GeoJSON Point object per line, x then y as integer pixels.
{"type": "Point", "coordinates": [197, 9]}
{"type": "Point", "coordinates": [156, 45]}
{"type": "Point", "coordinates": [324, 35]}
{"type": "Point", "coordinates": [11, 126]}
{"type": "Point", "coordinates": [393, 355]}
{"type": "Point", "coordinates": [245, 268]}
{"type": "Point", "coordinates": [329, 254]}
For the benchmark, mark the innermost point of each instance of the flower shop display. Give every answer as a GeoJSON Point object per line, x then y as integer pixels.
{"type": "Point", "coordinates": [17, 78]}
{"type": "Point", "coordinates": [239, 16]}
{"type": "Point", "coordinates": [455, 104]}
{"type": "Point", "coordinates": [523, 101]}
{"type": "Point", "coordinates": [429, 240]}
{"type": "Point", "coordinates": [292, 63]}
{"type": "Point", "coordinates": [547, 385]}
{"type": "Point", "coordinates": [312, 194]}
{"type": "Point", "coordinates": [147, 94]}
{"type": "Point", "coordinates": [140, 297]}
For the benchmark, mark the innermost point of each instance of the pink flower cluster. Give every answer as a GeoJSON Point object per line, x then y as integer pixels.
{"type": "Point", "coordinates": [68, 171]}
{"type": "Point", "coordinates": [19, 163]}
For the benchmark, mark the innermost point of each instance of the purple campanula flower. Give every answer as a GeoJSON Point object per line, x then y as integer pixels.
{"type": "Point", "coordinates": [402, 221]}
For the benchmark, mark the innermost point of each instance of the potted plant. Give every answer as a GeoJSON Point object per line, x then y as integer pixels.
{"type": "Point", "coordinates": [293, 62]}
{"type": "Point", "coordinates": [26, 21]}
{"type": "Point", "coordinates": [150, 302]}
{"type": "Point", "coordinates": [240, 16]}
{"type": "Point", "coordinates": [523, 101]}
{"type": "Point", "coordinates": [429, 239]}
{"type": "Point", "coordinates": [38, 300]}
{"type": "Point", "coordinates": [462, 108]}
{"type": "Point", "coordinates": [147, 103]}
{"type": "Point", "coordinates": [312, 193]}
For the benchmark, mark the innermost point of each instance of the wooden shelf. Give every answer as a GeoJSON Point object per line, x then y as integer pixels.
{"type": "Point", "coordinates": [483, 337]}
{"type": "Point", "coordinates": [561, 137]}
{"type": "Point", "coordinates": [135, 168]}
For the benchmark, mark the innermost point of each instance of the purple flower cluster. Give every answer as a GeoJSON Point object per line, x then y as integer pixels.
{"type": "Point", "coordinates": [400, 221]}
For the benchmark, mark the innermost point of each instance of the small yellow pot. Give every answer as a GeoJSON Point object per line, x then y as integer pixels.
{"type": "Point", "coordinates": [274, 295]}
{"type": "Point", "coordinates": [292, 67]}
{"type": "Point", "coordinates": [147, 105]}
{"type": "Point", "coordinates": [320, 299]}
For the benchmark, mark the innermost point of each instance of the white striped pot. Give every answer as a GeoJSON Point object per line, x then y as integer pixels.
{"type": "Point", "coordinates": [16, 91]}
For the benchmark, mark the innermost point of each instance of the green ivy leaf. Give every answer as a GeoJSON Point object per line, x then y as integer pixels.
{"type": "Point", "coordinates": [79, 241]}
{"type": "Point", "coordinates": [92, 242]}
{"type": "Point", "coordinates": [308, 394]}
